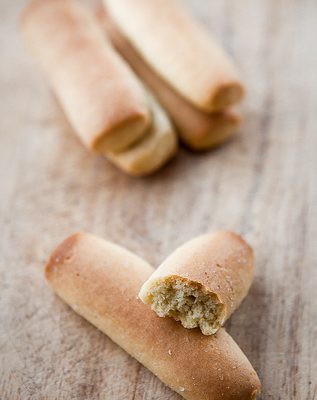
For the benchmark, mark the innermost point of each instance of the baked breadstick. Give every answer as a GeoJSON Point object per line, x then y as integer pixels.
{"type": "Point", "coordinates": [153, 150]}
{"type": "Point", "coordinates": [202, 282]}
{"type": "Point", "coordinates": [196, 128]}
{"type": "Point", "coordinates": [104, 102]}
{"type": "Point", "coordinates": [100, 281]}
{"type": "Point", "coordinates": [180, 50]}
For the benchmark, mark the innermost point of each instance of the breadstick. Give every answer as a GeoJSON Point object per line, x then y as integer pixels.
{"type": "Point", "coordinates": [202, 282]}
{"type": "Point", "coordinates": [100, 281]}
{"type": "Point", "coordinates": [104, 102]}
{"type": "Point", "coordinates": [196, 128]}
{"type": "Point", "coordinates": [180, 50]}
{"type": "Point", "coordinates": [153, 150]}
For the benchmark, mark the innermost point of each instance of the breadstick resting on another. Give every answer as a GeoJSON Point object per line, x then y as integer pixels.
{"type": "Point", "coordinates": [197, 129]}
{"type": "Point", "coordinates": [202, 282]}
{"type": "Point", "coordinates": [180, 50]}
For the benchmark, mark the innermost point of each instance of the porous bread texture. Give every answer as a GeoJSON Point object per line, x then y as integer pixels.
{"type": "Point", "coordinates": [186, 301]}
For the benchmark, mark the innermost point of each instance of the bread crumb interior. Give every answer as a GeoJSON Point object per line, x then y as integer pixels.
{"type": "Point", "coordinates": [186, 302]}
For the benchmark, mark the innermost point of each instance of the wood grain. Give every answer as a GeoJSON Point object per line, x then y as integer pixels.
{"type": "Point", "coordinates": [262, 185]}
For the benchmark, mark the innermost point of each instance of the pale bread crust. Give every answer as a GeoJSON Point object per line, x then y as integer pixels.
{"type": "Point", "coordinates": [104, 102]}
{"type": "Point", "coordinates": [100, 281]}
{"type": "Point", "coordinates": [222, 263]}
{"type": "Point", "coordinates": [153, 150]}
{"type": "Point", "coordinates": [180, 50]}
{"type": "Point", "coordinates": [197, 129]}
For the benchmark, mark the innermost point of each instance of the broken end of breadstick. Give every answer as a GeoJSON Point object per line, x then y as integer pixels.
{"type": "Point", "coordinates": [100, 281]}
{"type": "Point", "coordinates": [186, 301]}
{"type": "Point", "coordinates": [153, 150]}
{"type": "Point", "coordinates": [202, 282]}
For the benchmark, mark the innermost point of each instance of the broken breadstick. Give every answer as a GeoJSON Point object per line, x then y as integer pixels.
{"type": "Point", "coordinates": [101, 280]}
{"type": "Point", "coordinates": [180, 50]}
{"type": "Point", "coordinates": [151, 151]}
{"type": "Point", "coordinates": [202, 282]}
{"type": "Point", "coordinates": [105, 104]}
{"type": "Point", "coordinates": [197, 129]}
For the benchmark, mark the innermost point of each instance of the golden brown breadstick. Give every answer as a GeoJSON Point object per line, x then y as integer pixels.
{"type": "Point", "coordinates": [104, 102]}
{"type": "Point", "coordinates": [153, 150]}
{"type": "Point", "coordinates": [196, 128]}
{"type": "Point", "coordinates": [180, 50]}
{"type": "Point", "coordinates": [100, 281]}
{"type": "Point", "coordinates": [202, 282]}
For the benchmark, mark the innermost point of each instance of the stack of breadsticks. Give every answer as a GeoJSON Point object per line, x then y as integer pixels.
{"type": "Point", "coordinates": [200, 284]}
{"type": "Point", "coordinates": [134, 76]}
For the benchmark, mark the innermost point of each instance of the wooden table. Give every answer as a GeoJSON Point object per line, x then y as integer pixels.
{"type": "Point", "coordinates": [263, 185]}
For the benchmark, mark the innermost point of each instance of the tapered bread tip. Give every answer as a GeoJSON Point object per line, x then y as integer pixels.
{"type": "Point", "coordinates": [202, 282]}
{"type": "Point", "coordinates": [62, 253]}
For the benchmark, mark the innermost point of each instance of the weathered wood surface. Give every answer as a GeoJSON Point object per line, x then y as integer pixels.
{"type": "Point", "coordinates": [263, 184]}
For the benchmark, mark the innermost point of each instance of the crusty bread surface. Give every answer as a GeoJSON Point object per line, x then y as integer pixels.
{"type": "Point", "coordinates": [202, 282]}
{"type": "Point", "coordinates": [103, 101]}
{"type": "Point", "coordinates": [197, 129]}
{"type": "Point", "coordinates": [101, 280]}
{"type": "Point", "coordinates": [180, 50]}
{"type": "Point", "coordinates": [153, 150]}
